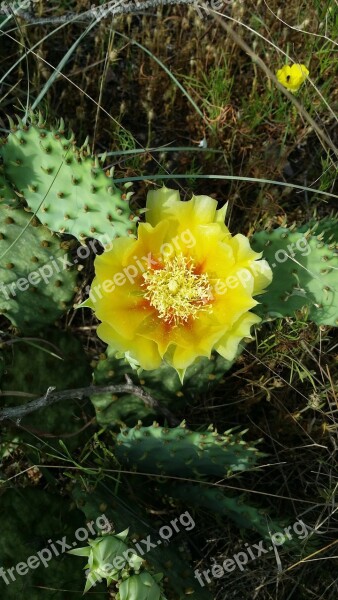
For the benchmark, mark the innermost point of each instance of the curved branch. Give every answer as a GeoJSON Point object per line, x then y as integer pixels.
{"type": "Point", "coordinates": [111, 9]}
{"type": "Point", "coordinates": [16, 413]}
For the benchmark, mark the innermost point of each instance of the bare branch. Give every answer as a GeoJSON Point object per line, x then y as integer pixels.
{"type": "Point", "coordinates": [16, 413]}
{"type": "Point", "coordinates": [100, 12]}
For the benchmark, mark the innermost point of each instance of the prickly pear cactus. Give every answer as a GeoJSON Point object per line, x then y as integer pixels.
{"type": "Point", "coordinates": [305, 265]}
{"type": "Point", "coordinates": [234, 508]}
{"type": "Point", "coordinates": [244, 515]}
{"type": "Point", "coordinates": [142, 586]}
{"type": "Point", "coordinates": [36, 279]}
{"type": "Point", "coordinates": [111, 558]}
{"type": "Point", "coordinates": [108, 558]}
{"type": "Point", "coordinates": [64, 185]}
{"type": "Point", "coordinates": [7, 195]}
{"type": "Point", "coordinates": [326, 229]}
{"type": "Point", "coordinates": [179, 451]}
{"type": "Point", "coordinates": [126, 510]}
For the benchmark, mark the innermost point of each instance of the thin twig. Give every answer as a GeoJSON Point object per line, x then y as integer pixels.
{"type": "Point", "coordinates": [100, 12]}
{"type": "Point", "coordinates": [16, 413]}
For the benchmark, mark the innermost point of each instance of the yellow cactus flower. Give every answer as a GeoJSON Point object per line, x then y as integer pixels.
{"type": "Point", "coordinates": [183, 288]}
{"type": "Point", "coordinates": [292, 77]}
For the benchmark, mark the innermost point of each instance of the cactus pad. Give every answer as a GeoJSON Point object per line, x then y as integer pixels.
{"type": "Point", "coordinates": [179, 451]}
{"type": "Point", "coordinates": [7, 195]}
{"type": "Point", "coordinates": [215, 501]}
{"type": "Point", "coordinates": [36, 283]}
{"type": "Point", "coordinates": [305, 267]}
{"type": "Point", "coordinates": [63, 185]}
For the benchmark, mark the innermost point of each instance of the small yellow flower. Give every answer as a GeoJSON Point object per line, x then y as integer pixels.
{"type": "Point", "coordinates": [292, 77]}
{"type": "Point", "coordinates": [183, 288]}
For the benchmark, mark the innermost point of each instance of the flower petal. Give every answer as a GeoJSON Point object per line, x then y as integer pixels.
{"type": "Point", "coordinates": [144, 351]}
{"type": "Point", "coordinates": [166, 204]}
{"type": "Point", "coordinates": [228, 345]}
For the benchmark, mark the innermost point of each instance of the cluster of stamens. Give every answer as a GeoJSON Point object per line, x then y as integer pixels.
{"type": "Point", "coordinates": [176, 292]}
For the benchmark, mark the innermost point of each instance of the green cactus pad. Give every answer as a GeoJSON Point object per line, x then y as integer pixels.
{"type": "Point", "coordinates": [64, 185]}
{"type": "Point", "coordinates": [179, 451]}
{"type": "Point", "coordinates": [215, 501]}
{"type": "Point", "coordinates": [28, 253]}
{"type": "Point", "coordinates": [7, 195]}
{"type": "Point", "coordinates": [325, 230]}
{"type": "Point", "coordinates": [140, 587]}
{"type": "Point", "coordinates": [305, 267]}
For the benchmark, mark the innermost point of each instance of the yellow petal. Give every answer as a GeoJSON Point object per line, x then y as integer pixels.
{"type": "Point", "coordinates": [228, 345]}
{"type": "Point", "coordinates": [292, 77]}
{"type": "Point", "coordinates": [144, 351]}
{"type": "Point", "coordinates": [165, 204]}
{"type": "Point", "coordinates": [159, 204]}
